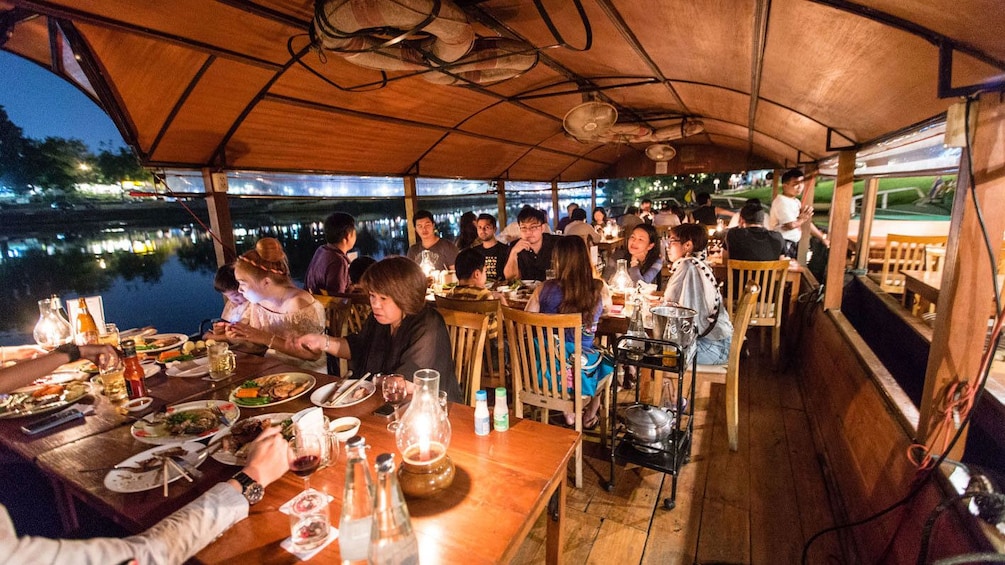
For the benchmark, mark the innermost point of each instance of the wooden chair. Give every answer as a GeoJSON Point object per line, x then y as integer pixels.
{"type": "Point", "coordinates": [903, 252]}
{"type": "Point", "coordinates": [537, 347]}
{"type": "Point", "coordinates": [731, 370]}
{"type": "Point", "coordinates": [345, 314]}
{"type": "Point", "coordinates": [468, 331]}
{"type": "Point", "coordinates": [493, 366]}
{"type": "Point", "coordinates": [769, 276]}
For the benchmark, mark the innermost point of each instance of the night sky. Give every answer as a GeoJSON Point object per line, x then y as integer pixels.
{"type": "Point", "coordinates": [44, 105]}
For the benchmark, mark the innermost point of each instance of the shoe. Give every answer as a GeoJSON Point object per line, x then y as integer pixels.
{"type": "Point", "coordinates": [591, 424]}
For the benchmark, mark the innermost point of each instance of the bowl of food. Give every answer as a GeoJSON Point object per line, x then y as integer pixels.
{"type": "Point", "coordinates": [139, 404]}
{"type": "Point", "coordinates": [344, 428]}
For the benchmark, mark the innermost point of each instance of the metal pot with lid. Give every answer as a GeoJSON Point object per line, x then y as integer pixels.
{"type": "Point", "coordinates": [648, 424]}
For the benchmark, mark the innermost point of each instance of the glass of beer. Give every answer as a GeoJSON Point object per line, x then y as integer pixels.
{"type": "Point", "coordinates": [111, 336]}
{"type": "Point", "coordinates": [113, 381]}
{"type": "Point", "coordinates": [222, 361]}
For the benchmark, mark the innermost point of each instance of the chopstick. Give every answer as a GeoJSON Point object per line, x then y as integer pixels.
{"type": "Point", "coordinates": [347, 391]}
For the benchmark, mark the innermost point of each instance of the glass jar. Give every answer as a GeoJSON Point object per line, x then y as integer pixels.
{"type": "Point", "coordinates": [52, 330]}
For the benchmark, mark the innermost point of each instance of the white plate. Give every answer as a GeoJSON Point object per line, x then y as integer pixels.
{"type": "Point", "coordinates": [323, 392]}
{"type": "Point", "coordinates": [118, 480]}
{"type": "Point", "coordinates": [145, 432]}
{"type": "Point", "coordinates": [228, 458]}
{"type": "Point", "coordinates": [182, 338]}
{"type": "Point", "coordinates": [191, 368]}
{"type": "Point", "coordinates": [296, 378]}
{"type": "Point", "coordinates": [150, 370]}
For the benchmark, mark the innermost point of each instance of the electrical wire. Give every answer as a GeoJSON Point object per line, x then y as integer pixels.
{"type": "Point", "coordinates": [179, 200]}
{"type": "Point", "coordinates": [926, 474]}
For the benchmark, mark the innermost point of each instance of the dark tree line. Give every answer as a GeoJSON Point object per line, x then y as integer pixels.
{"type": "Point", "coordinates": [58, 163]}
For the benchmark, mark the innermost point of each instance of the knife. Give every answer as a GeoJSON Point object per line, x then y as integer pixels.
{"type": "Point", "coordinates": [332, 403]}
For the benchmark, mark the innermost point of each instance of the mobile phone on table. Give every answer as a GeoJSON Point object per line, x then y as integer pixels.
{"type": "Point", "coordinates": [385, 410]}
{"type": "Point", "coordinates": [52, 421]}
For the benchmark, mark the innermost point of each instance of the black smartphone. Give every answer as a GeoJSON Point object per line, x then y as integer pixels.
{"type": "Point", "coordinates": [385, 410]}
{"type": "Point", "coordinates": [52, 421]}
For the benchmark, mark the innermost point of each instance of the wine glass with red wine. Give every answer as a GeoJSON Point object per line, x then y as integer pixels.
{"type": "Point", "coordinates": [305, 456]}
{"type": "Point", "coordinates": [394, 390]}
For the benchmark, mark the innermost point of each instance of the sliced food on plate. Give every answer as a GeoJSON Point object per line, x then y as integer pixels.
{"type": "Point", "coordinates": [234, 446]}
{"type": "Point", "coordinates": [186, 422]}
{"type": "Point", "coordinates": [159, 342]}
{"type": "Point", "coordinates": [42, 398]}
{"type": "Point", "coordinates": [272, 389]}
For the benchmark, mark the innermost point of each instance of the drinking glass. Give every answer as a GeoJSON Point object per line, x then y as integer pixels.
{"type": "Point", "coordinates": [111, 336]}
{"type": "Point", "coordinates": [305, 454]}
{"type": "Point", "coordinates": [309, 521]}
{"type": "Point", "coordinates": [222, 361]}
{"type": "Point", "coordinates": [113, 380]}
{"type": "Point", "coordinates": [394, 391]}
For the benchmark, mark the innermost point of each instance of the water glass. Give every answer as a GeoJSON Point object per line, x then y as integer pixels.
{"type": "Point", "coordinates": [222, 361]}
{"type": "Point", "coordinates": [309, 521]}
{"type": "Point", "coordinates": [111, 336]}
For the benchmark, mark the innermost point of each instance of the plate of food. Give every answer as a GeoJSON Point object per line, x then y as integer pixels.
{"type": "Point", "coordinates": [272, 389]}
{"type": "Point", "coordinates": [159, 342]}
{"type": "Point", "coordinates": [187, 369]}
{"type": "Point", "coordinates": [359, 394]}
{"type": "Point", "coordinates": [42, 398]}
{"type": "Point", "coordinates": [189, 421]}
{"type": "Point", "coordinates": [189, 351]}
{"type": "Point", "coordinates": [234, 445]}
{"type": "Point", "coordinates": [144, 471]}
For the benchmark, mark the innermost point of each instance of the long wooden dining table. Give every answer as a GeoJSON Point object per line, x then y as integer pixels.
{"type": "Point", "coordinates": [503, 481]}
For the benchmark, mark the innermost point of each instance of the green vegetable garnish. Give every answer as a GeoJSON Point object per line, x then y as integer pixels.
{"type": "Point", "coordinates": [249, 384]}
{"type": "Point", "coordinates": [257, 401]}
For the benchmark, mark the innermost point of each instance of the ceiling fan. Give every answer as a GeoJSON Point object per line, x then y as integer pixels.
{"type": "Point", "coordinates": [589, 120]}
{"type": "Point", "coordinates": [661, 153]}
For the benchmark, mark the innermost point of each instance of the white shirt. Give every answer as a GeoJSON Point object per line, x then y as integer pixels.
{"type": "Point", "coordinates": [785, 209]}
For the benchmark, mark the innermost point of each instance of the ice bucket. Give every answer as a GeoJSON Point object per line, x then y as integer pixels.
{"type": "Point", "coordinates": [674, 323]}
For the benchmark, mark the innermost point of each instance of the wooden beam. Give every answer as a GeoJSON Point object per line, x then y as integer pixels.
{"type": "Point", "coordinates": [866, 216]}
{"type": "Point", "coordinates": [593, 200]}
{"type": "Point", "coordinates": [554, 204]}
{"type": "Point", "coordinates": [776, 182]}
{"type": "Point", "coordinates": [809, 189]}
{"type": "Point", "coordinates": [501, 205]}
{"type": "Point", "coordinates": [965, 301]}
{"type": "Point", "coordinates": [411, 206]}
{"type": "Point", "coordinates": [838, 229]}
{"type": "Point", "coordinates": [224, 245]}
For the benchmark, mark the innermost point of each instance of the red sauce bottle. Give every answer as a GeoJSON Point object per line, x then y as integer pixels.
{"type": "Point", "coordinates": [133, 372]}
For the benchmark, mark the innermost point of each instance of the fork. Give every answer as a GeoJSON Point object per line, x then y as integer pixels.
{"type": "Point", "coordinates": [219, 413]}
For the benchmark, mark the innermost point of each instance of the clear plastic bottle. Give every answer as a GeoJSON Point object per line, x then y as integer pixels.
{"type": "Point", "coordinates": [357, 504]}
{"type": "Point", "coordinates": [483, 422]}
{"type": "Point", "coordinates": [392, 540]}
{"type": "Point", "coordinates": [500, 413]}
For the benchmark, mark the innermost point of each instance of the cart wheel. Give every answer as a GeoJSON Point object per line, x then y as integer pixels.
{"type": "Point", "coordinates": [608, 486]}
{"type": "Point", "coordinates": [669, 504]}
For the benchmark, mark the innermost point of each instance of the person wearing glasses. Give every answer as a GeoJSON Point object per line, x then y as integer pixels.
{"type": "Point", "coordinates": [530, 256]}
{"type": "Point", "coordinates": [692, 285]}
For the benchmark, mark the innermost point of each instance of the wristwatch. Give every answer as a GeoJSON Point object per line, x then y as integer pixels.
{"type": "Point", "coordinates": [250, 488]}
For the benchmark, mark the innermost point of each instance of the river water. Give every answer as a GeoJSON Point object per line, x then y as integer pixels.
{"type": "Point", "coordinates": [162, 276]}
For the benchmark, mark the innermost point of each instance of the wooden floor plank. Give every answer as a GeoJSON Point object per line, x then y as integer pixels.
{"type": "Point", "coordinates": [725, 534]}
{"type": "Point", "coordinates": [617, 543]}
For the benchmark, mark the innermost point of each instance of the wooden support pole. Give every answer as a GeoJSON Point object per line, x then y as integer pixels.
{"type": "Point", "coordinates": [866, 216]}
{"type": "Point", "coordinates": [500, 205]}
{"type": "Point", "coordinates": [593, 200]}
{"type": "Point", "coordinates": [776, 182]}
{"type": "Point", "coordinates": [838, 229]}
{"type": "Point", "coordinates": [224, 245]}
{"type": "Point", "coordinates": [554, 205]}
{"type": "Point", "coordinates": [411, 207]}
{"type": "Point", "coordinates": [965, 299]}
{"type": "Point", "coordinates": [809, 189]}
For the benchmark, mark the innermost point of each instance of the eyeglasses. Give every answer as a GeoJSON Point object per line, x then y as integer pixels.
{"type": "Point", "coordinates": [531, 227]}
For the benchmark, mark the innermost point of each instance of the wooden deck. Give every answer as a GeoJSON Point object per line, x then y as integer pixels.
{"type": "Point", "coordinates": [758, 505]}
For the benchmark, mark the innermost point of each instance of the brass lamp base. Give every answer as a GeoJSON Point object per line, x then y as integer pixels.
{"type": "Point", "coordinates": [425, 480]}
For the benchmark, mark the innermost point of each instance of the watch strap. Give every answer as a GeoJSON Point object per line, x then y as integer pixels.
{"type": "Point", "coordinates": [250, 488]}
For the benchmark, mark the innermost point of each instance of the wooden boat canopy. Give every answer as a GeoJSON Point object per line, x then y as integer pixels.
{"type": "Point", "coordinates": [236, 84]}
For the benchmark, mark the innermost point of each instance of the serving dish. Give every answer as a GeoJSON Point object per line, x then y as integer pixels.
{"type": "Point", "coordinates": [188, 421]}
{"type": "Point", "coordinates": [271, 390]}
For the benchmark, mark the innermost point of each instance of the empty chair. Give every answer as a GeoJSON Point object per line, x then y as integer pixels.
{"type": "Point", "coordinates": [468, 331]}
{"type": "Point", "coordinates": [769, 276]}
{"type": "Point", "coordinates": [537, 355]}
{"type": "Point", "coordinates": [492, 366]}
{"type": "Point", "coordinates": [903, 252]}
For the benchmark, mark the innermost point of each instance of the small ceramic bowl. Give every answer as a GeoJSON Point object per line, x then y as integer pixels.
{"type": "Point", "coordinates": [139, 404]}
{"type": "Point", "coordinates": [344, 428]}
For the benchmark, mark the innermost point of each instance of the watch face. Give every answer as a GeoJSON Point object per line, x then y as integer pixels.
{"type": "Point", "coordinates": [254, 492]}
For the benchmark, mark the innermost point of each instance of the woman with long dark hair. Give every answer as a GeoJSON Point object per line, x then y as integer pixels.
{"type": "Point", "coordinates": [575, 290]}
{"type": "Point", "coordinates": [642, 254]}
{"type": "Point", "coordinates": [469, 231]}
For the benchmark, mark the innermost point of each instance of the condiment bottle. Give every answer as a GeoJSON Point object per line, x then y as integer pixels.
{"type": "Point", "coordinates": [392, 540]}
{"type": "Point", "coordinates": [500, 413]}
{"type": "Point", "coordinates": [133, 372]}
{"type": "Point", "coordinates": [482, 421]}
{"type": "Point", "coordinates": [87, 330]}
{"type": "Point", "coordinates": [357, 504]}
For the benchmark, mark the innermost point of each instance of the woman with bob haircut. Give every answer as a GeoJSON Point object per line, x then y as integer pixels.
{"type": "Point", "coordinates": [692, 285]}
{"type": "Point", "coordinates": [280, 311]}
{"type": "Point", "coordinates": [403, 333]}
{"type": "Point", "coordinates": [575, 290]}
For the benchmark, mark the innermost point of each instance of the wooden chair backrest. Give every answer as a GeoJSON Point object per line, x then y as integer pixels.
{"type": "Point", "coordinates": [537, 347]}
{"type": "Point", "coordinates": [904, 252]}
{"type": "Point", "coordinates": [769, 276]}
{"type": "Point", "coordinates": [344, 315]}
{"type": "Point", "coordinates": [744, 311]}
{"type": "Point", "coordinates": [467, 345]}
{"type": "Point", "coordinates": [494, 347]}
{"type": "Point", "coordinates": [488, 306]}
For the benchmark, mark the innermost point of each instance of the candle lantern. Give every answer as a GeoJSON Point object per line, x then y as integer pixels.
{"type": "Point", "coordinates": [427, 262]}
{"type": "Point", "coordinates": [422, 438]}
{"type": "Point", "coordinates": [621, 282]}
{"type": "Point", "coordinates": [52, 330]}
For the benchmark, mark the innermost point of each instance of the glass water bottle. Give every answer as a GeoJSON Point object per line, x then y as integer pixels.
{"type": "Point", "coordinates": [357, 504]}
{"type": "Point", "coordinates": [392, 540]}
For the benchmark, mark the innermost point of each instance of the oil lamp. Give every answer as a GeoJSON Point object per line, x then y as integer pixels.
{"type": "Point", "coordinates": [621, 281]}
{"type": "Point", "coordinates": [52, 330]}
{"type": "Point", "coordinates": [422, 438]}
{"type": "Point", "coordinates": [427, 262]}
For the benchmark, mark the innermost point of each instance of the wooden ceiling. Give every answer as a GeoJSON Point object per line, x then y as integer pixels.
{"type": "Point", "coordinates": [235, 84]}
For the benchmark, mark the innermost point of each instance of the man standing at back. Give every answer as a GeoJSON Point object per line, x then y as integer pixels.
{"type": "Point", "coordinates": [530, 256]}
{"type": "Point", "coordinates": [788, 214]}
{"type": "Point", "coordinates": [750, 241]}
{"type": "Point", "coordinates": [495, 253]}
{"type": "Point", "coordinates": [328, 272]}
{"type": "Point", "coordinates": [568, 217]}
{"type": "Point", "coordinates": [429, 240]}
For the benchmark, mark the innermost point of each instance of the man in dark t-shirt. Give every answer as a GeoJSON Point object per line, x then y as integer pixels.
{"type": "Point", "coordinates": [495, 252]}
{"type": "Point", "coordinates": [750, 241]}
{"type": "Point", "coordinates": [530, 256]}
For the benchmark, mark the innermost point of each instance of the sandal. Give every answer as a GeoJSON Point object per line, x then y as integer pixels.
{"type": "Point", "coordinates": [591, 424]}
